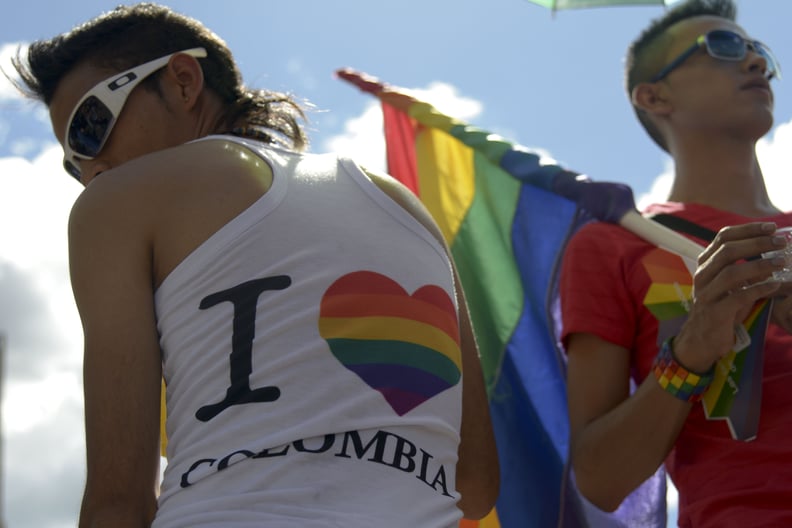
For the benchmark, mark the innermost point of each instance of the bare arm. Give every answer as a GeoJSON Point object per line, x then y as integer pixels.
{"type": "Point", "coordinates": [478, 472]}
{"type": "Point", "coordinates": [110, 264]}
{"type": "Point", "coordinates": [617, 440]}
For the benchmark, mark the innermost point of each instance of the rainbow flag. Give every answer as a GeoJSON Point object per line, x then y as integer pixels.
{"type": "Point", "coordinates": [507, 214]}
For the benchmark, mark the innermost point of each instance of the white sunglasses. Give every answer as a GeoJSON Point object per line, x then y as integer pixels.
{"type": "Point", "coordinates": [95, 114]}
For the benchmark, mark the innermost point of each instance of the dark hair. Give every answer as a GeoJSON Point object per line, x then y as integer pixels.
{"type": "Point", "coordinates": [645, 52]}
{"type": "Point", "coordinates": [130, 35]}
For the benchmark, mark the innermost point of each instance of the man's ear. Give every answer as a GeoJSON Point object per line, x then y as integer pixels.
{"type": "Point", "coordinates": [186, 71]}
{"type": "Point", "coordinates": [652, 98]}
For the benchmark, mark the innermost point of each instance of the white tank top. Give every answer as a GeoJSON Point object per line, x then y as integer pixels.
{"type": "Point", "coordinates": [311, 355]}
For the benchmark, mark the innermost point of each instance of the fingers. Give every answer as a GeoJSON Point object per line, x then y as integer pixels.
{"type": "Point", "coordinates": [748, 234]}
{"type": "Point", "coordinates": [728, 282]}
{"type": "Point", "coordinates": [740, 280]}
{"type": "Point", "coordinates": [743, 300]}
{"type": "Point", "coordinates": [730, 262]}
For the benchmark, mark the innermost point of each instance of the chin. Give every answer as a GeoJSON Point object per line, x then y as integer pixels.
{"type": "Point", "coordinates": [761, 125]}
{"type": "Point", "coordinates": [766, 128]}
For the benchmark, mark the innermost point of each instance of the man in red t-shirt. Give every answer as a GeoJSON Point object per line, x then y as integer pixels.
{"type": "Point", "coordinates": [700, 87]}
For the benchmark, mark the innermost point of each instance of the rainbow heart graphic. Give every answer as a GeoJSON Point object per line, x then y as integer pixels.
{"type": "Point", "coordinates": [404, 346]}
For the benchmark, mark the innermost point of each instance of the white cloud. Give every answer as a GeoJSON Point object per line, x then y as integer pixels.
{"type": "Point", "coordinates": [363, 139]}
{"type": "Point", "coordinates": [42, 395]}
{"type": "Point", "coordinates": [447, 100]}
{"type": "Point", "coordinates": [34, 206]}
{"type": "Point", "coordinates": [44, 468]}
{"type": "Point", "coordinates": [775, 157]}
{"type": "Point", "coordinates": [660, 189]}
{"type": "Point", "coordinates": [24, 147]}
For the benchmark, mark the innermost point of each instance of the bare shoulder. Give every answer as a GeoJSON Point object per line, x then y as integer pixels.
{"type": "Point", "coordinates": [174, 199]}
{"type": "Point", "coordinates": [104, 205]}
{"type": "Point", "coordinates": [206, 156]}
{"type": "Point", "coordinates": [403, 196]}
{"type": "Point", "coordinates": [161, 180]}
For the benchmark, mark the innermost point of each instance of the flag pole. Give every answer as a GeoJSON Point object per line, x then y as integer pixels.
{"type": "Point", "coordinates": [660, 235]}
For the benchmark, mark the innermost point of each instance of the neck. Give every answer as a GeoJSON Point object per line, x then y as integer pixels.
{"type": "Point", "coordinates": [209, 116]}
{"type": "Point", "coordinates": [252, 132]}
{"type": "Point", "coordinates": [724, 176]}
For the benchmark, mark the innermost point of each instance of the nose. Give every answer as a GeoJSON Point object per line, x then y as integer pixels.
{"type": "Point", "coordinates": [756, 61]}
{"type": "Point", "coordinates": [90, 169]}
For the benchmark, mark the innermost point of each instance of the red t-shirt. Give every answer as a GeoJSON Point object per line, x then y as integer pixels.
{"type": "Point", "coordinates": [722, 482]}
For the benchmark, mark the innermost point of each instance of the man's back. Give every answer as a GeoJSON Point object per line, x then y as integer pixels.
{"type": "Point", "coordinates": [311, 352]}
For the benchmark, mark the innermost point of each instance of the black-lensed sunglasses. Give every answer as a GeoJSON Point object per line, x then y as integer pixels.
{"type": "Point", "coordinates": [725, 45]}
{"type": "Point", "coordinates": [96, 113]}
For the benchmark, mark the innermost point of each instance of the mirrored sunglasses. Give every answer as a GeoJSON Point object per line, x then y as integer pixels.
{"type": "Point", "coordinates": [95, 114]}
{"type": "Point", "coordinates": [725, 45]}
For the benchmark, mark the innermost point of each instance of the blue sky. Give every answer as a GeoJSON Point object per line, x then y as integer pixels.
{"type": "Point", "coordinates": [547, 81]}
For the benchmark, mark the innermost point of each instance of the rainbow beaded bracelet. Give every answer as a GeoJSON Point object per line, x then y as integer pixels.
{"type": "Point", "coordinates": [676, 379]}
